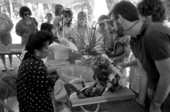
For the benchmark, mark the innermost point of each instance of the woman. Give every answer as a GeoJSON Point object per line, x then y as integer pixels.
{"type": "Point", "coordinates": [81, 32]}
{"type": "Point", "coordinates": [58, 11]}
{"type": "Point", "coordinates": [33, 83]}
{"type": "Point", "coordinates": [64, 27]}
{"type": "Point", "coordinates": [27, 25]}
{"type": "Point", "coordinates": [6, 26]}
{"type": "Point", "coordinates": [102, 34]}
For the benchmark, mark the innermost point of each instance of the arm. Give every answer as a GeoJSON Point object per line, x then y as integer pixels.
{"type": "Point", "coordinates": [10, 23]}
{"type": "Point", "coordinates": [159, 49]}
{"type": "Point", "coordinates": [130, 64]}
{"type": "Point", "coordinates": [121, 56]}
{"type": "Point", "coordinates": [19, 29]}
{"type": "Point", "coordinates": [163, 87]}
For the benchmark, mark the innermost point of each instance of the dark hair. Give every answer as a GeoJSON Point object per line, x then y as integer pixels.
{"type": "Point", "coordinates": [127, 10]}
{"type": "Point", "coordinates": [46, 26]}
{"type": "Point", "coordinates": [37, 41]}
{"type": "Point", "coordinates": [49, 14]}
{"type": "Point", "coordinates": [153, 8]}
{"type": "Point", "coordinates": [103, 17]}
{"type": "Point", "coordinates": [24, 9]}
{"type": "Point", "coordinates": [69, 13]}
{"type": "Point", "coordinates": [58, 9]}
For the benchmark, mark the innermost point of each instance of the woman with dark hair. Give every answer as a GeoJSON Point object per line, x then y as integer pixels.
{"type": "Point", "coordinates": [27, 25]}
{"type": "Point", "coordinates": [64, 29]}
{"type": "Point", "coordinates": [152, 10]}
{"type": "Point", "coordinates": [33, 83]}
{"type": "Point", "coordinates": [48, 27]}
{"type": "Point", "coordinates": [58, 10]}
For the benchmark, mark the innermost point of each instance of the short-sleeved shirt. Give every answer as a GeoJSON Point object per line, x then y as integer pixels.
{"type": "Point", "coordinates": [152, 44]}
{"type": "Point", "coordinates": [33, 86]}
{"type": "Point", "coordinates": [24, 30]}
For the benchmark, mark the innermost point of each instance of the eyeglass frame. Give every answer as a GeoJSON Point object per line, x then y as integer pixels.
{"type": "Point", "coordinates": [27, 13]}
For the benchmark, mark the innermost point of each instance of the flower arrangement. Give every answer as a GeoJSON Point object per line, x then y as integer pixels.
{"type": "Point", "coordinates": [105, 74]}
{"type": "Point", "coordinates": [106, 77]}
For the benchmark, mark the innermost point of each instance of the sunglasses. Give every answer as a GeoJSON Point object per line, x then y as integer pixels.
{"type": "Point", "coordinates": [27, 14]}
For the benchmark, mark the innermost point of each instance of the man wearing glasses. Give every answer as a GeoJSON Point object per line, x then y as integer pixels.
{"type": "Point", "coordinates": [150, 43]}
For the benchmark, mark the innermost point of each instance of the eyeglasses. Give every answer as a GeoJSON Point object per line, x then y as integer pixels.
{"type": "Point", "coordinates": [27, 13]}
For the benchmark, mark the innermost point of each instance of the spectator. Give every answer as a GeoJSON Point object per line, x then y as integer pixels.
{"type": "Point", "coordinates": [81, 32]}
{"type": "Point", "coordinates": [66, 29]}
{"type": "Point", "coordinates": [47, 27]}
{"type": "Point", "coordinates": [49, 17]}
{"type": "Point", "coordinates": [6, 26]}
{"type": "Point", "coordinates": [153, 10]}
{"type": "Point", "coordinates": [150, 43]}
{"type": "Point", "coordinates": [58, 11]}
{"type": "Point", "coordinates": [27, 25]}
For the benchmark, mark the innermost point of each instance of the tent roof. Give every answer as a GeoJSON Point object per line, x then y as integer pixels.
{"type": "Point", "coordinates": [63, 2]}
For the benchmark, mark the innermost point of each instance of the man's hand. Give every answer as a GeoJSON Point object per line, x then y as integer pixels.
{"type": "Point", "coordinates": [154, 108]}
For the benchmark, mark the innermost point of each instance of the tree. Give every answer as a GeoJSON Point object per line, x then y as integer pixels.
{"type": "Point", "coordinates": [80, 5]}
{"type": "Point", "coordinates": [167, 4]}
{"type": "Point", "coordinates": [10, 5]}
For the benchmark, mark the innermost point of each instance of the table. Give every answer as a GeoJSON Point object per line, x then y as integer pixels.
{"type": "Point", "coordinates": [14, 49]}
{"type": "Point", "coordinates": [119, 95]}
{"type": "Point", "coordinates": [122, 100]}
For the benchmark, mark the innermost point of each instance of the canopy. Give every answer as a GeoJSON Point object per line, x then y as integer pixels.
{"type": "Point", "coordinates": [63, 2]}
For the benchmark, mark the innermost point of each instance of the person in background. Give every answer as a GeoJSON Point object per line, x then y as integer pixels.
{"type": "Point", "coordinates": [48, 27]}
{"type": "Point", "coordinates": [102, 34]}
{"type": "Point", "coordinates": [81, 32]}
{"type": "Point", "coordinates": [150, 11]}
{"type": "Point", "coordinates": [58, 11]}
{"type": "Point", "coordinates": [6, 26]}
{"type": "Point", "coordinates": [150, 43]}
{"type": "Point", "coordinates": [49, 18]}
{"type": "Point", "coordinates": [66, 28]}
{"type": "Point", "coordinates": [27, 25]}
{"type": "Point", "coordinates": [33, 82]}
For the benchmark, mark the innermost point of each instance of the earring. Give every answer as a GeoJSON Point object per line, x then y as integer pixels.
{"type": "Point", "coordinates": [38, 54]}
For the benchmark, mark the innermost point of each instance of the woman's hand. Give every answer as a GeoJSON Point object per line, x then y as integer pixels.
{"type": "Point", "coordinates": [51, 69]}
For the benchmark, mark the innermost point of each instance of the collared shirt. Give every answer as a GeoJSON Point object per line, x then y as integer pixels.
{"type": "Point", "coordinates": [152, 44]}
